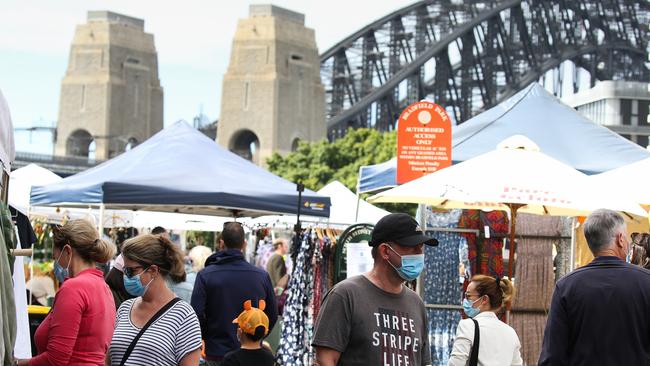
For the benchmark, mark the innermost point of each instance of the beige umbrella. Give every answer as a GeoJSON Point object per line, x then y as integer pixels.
{"type": "Point", "coordinates": [515, 177]}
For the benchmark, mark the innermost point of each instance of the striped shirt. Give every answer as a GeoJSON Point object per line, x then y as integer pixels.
{"type": "Point", "coordinates": [170, 338]}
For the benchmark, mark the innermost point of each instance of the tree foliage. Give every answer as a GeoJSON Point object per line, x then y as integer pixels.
{"type": "Point", "coordinates": [317, 163]}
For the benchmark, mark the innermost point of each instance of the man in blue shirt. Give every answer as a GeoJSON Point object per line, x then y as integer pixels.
{"type": "Point", "coordinates": [225, 283]}
{"type": "Point", "coordinates": [600, 313]}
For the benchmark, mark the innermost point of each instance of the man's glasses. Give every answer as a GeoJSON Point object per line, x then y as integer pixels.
{"type": "Point", "coordinates": [129, 271]}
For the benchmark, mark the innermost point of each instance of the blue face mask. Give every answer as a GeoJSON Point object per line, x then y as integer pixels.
{"type": "Point", "coordinates": [412, 265]}
{"type": "Point", "coordinates": [61, 273]}
{"type": "Point", "coordinates": [134, 286]}
{"type": "Point", "coordinates": [469, 309]}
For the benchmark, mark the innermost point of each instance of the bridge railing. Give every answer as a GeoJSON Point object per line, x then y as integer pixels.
{"type": "Point", "coordinates": [78, 161]}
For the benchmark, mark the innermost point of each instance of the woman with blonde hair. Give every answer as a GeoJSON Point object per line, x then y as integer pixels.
{"type": "Point", "coordinates": [156, 327]}
{"type": "Point", "coordinates": [484, 339]}
{"type": "Point", "coordinates": [78, 329]}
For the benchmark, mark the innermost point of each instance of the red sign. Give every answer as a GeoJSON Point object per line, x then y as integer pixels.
{"type": "Point", "coordinates": [423, 141]}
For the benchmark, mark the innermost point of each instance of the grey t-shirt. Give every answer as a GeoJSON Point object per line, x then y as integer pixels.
{"type": "Point", "coordinates": [370, 326]}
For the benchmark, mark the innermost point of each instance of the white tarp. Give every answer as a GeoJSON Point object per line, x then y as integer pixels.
{"type": "Point", "coordinates": [632, 176]}
{"type": "Point", "coordinates": [344, 205]}
{"type": "Point", "coordinates": [515, 173]}
{"type": "Point", "coordinates": [342, 210]}
{"type": "Point", "coordinates": [21, 182]}
{"type": "Point", "coordinates": [7, 147]}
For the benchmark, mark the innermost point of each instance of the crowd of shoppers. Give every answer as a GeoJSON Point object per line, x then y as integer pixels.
{"type": "Point", "coordinates": [137, 315]}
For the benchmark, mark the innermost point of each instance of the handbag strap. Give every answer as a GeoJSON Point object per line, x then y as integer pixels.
{"type": "Point", "coordinates": [473, 357]}
{"type": "Point", "coordinates": [157, 315]}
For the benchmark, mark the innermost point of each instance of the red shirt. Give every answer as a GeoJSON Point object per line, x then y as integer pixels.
{"type": "Point", "coordinates": [80, 326]}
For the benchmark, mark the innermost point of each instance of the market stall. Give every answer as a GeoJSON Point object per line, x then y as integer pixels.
{"type": "Point", "coordinates": [522, 180]}
{"type": "Point", "coordinates": [559, 130]}
{"type": "Point", "coordinates": [180, 170]}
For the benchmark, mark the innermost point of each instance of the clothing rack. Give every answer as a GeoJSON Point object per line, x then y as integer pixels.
{"type": "Point", "coordinates": [455, 230]}
{"type": "Point", "coordinates": [478, 232]}
{"type": "Point", "coordinates": [21, 252]}
{"type": "Point", "coordinates": [443, 307]}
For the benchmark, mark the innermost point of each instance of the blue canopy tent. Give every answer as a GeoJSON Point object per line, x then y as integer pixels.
{"type": "Point", "coordinates": [559, 130]}
{"type": "Point", "coordinates": [181, 170]}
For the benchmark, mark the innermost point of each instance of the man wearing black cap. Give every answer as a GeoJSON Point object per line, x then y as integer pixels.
{"type": "Point", "coordinates": [373, 319]}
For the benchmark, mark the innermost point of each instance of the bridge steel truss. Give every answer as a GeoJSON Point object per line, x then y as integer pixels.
{"type": "Point", "coordinates": [470, 55]}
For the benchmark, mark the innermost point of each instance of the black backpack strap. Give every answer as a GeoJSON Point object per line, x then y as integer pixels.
{"type": "Point", "coordinates": [473, 356]}
{"type": "Point", "coordinates": [153, 319]}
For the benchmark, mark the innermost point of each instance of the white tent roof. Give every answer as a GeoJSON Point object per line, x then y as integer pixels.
{"type": "Point", "coordinates": [519, 174]}
{"type": "Point", "coordinates": [342, 210]}
{"type": "Point", "coordinates": [7, 148]}
{"type": "Point", "coordinates": [635, 173]}
{"type": "Point", "coordinates": [344, 205]}
{"type": "Point", "coordinates": [21, 182]}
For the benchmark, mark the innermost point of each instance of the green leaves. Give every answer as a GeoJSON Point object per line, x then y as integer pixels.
{"type": "Point", "coordinates": [317, 163]}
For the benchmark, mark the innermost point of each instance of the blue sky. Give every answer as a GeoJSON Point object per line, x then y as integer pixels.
{"type": "Point", "coordinates": [193, 43]}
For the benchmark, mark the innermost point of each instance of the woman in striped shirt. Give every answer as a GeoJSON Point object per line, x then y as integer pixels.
{"type": "Point", "coordinates": [174, 338]}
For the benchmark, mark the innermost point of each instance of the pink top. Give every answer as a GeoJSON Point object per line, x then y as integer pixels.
{"type": "Point", "coordinates": [80, 326]}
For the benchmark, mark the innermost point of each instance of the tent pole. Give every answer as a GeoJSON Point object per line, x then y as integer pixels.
{"type": "Point", "coordinates": [573, 245]}
{"type": "Point", "coordinates": [513, 224]}
{"type": "Point", "coordinates": [511, 253]}
{"type": "Point", "coordinates": [300, 188]}
{"type": "Point", "coordinates": [31, 259]}
{"type": "Point", "coordinates": [422, 220]}
{"type": "Point", "coordinates": [356, 213]}
{"type": "Point", "coordinates": [101, 220]}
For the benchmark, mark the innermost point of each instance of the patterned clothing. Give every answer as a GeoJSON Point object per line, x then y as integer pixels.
{"type": "Point", "coordinates": [441, 283]}
{"type": "Point", "coordinates": [486, 255]}
{"type": "Point", "coordinates": [295, 345]}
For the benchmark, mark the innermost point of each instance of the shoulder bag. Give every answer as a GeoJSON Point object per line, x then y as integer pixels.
{"type": "Point", "coordinates": [153, 319]}
{"type": "Point", "coordinates": [473, 356]}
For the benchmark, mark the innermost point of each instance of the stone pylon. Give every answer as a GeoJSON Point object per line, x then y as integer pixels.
{"type": "Point", "coordinates": [111, 96]}
{"type": "Point", "coordinates": [272, 94]}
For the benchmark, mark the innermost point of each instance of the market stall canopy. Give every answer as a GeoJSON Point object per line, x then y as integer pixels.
{"type": "Point", "coordinates": [344, 206]}
{"type": "Point", "coordinates": [516, 173]}
{"type": "Point", "coordinates": [21, 182]}
{"type": "Point", "coordinates": [181, 170]}
{"type": "Point", "coordinates": [632, 179]}
{"type": "Point", "coordinates": [378, 177]}
{"type": "Point", "coordinates": [342, 211]}
{"type": "Point", "coordinates": [7, 147]}
{"type": "Point", "coordinates": [560, 131]}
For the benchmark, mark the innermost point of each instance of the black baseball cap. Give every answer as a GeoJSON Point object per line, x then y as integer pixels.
{"type": "Point", "coordinates": [399, 228]}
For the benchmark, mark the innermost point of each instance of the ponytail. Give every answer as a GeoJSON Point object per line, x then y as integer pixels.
{"type": "Point", "coordinates": [84, 239]}
{"type": "Point", "coordinates": [174, 260]}
{"type": "Point", "coordinates": [156, 249]}
{"type": "Point", "coordinates": [500, 291]}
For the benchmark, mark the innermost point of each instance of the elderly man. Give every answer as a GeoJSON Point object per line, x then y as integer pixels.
{"type": "Point", "coordinates": [600, 313]}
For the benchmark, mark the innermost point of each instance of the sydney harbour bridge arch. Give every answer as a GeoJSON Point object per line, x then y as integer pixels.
{"type": "Point", "coordinates": [470, 55]}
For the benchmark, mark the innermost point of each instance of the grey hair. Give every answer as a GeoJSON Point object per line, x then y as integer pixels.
{"type": "Point", "coordinates": [601, 228]}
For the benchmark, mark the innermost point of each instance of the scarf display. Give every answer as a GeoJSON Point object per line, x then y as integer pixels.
{"type": "Point", "coordinates": [442, 283]}
{"type": "Point", "coordinates": [310, 280]}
